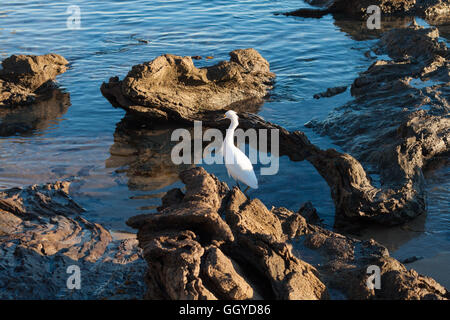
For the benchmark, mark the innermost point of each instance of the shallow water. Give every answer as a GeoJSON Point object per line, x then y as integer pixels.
{"type": "Point", "coordinates": [120, 175]}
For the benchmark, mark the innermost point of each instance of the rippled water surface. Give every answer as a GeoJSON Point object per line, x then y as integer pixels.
{"type": "Point", "coordinates": [118, 174]}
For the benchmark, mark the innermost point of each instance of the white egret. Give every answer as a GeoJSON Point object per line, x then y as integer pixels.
{"type": "Point", "coordinates": [238, 165]}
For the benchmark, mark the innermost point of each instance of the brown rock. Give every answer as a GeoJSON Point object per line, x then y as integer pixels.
{"type": "Point", "coordinates": [171, 87]}
{"type": "Point", "coordinates": [264, 256]}
{"type": "Point", "coordinates": [24, 78]}
{"type": "Point", "coordinates": [330, 92]}
{"type": "Point", "coordinates": [388, 127]}
{"type": "Point", "coordinates": [343, 264]}
{"type": "Point", "coordinates": [225, 276]}
{"type": "Point", "coordinates": [190, 242]}
{"type": "Point", "coordinates": [174, 266]}
{"type": "Point", "coordinates": [43, 233]}
{"type": "Point", "coordinates": [260, 242]}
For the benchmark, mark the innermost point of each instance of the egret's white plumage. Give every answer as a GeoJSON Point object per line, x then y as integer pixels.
{"type": "Point", "coordinates": [238, 165]}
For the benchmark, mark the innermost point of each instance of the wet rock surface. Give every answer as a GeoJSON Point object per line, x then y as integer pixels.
{"type": "Point", "coordinates": [43, 233]}
{"type": "Point", "coordinates": [399, 120]}
{"type": "Point", "coordinates": [148, 90]}
{"type": "Point", "coordinates": [435, 11]}
{"type": "Point", "coordinates": [214, 243]}
{"type": "Point", "coordinates": [26, 79]}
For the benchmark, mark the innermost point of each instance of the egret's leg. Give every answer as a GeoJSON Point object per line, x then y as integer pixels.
{"type": "Point", "coordinates": [245, 191]}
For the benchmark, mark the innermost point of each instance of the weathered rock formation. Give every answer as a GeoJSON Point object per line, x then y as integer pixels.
{"type": "Point", "coordinates": [42, 234]}
{"type": "Point", "coordinates": [193, 253]}
{"type": "Point", "coordinates": [399, 120]}
{"type": "Point", "coordinates": [356, 199]}
{"type": "Point", "coordinates": [435, 11]}
{"type": "Point", "coordinates": [25, 79]}
{"type": "Point", "coordinates": [172, 88]}
{"type": "Point", "coordinates": [213, 243]}
{"type": "Point", "coordinates": [398, 142]}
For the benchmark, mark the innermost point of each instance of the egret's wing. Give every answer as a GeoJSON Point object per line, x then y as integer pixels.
{"type": "Point", "coordinates": [243, 169]}
{"type": "Point", "coordinates": [242, 160]}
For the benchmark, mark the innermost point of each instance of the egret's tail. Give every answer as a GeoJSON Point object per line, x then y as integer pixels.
{"type": "Point", "coordinates": [252, 181]}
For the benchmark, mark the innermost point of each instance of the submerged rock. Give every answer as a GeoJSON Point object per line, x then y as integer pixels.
{"type": "Point", "coordinates": [214, 243]}
{"type": "Point", "coordinates": [331, 92]}
{"type": "Point", "coordinates": [24, 79]}
{"type": "Point", "coordinates": [171, 88]}
{"type": "Point", "coordinates": [42, 234]}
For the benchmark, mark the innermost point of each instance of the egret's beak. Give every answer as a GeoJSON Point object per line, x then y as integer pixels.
{"type": "Point", "coordinates": [221, 118]}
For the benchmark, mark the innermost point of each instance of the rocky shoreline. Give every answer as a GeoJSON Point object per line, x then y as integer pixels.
{"type": "Point", "coordinates": [209, 242]}
{"type": "Point", "coordinates": [212, 242]}
{"type": "Point", "coordinates": [434, 11]}
{"type": "Point", "coordinates": [215, 243]}
{"type": "Point", "coordinates": [398, 121]}
{"type": "Point", "coordinates": [43, 233]}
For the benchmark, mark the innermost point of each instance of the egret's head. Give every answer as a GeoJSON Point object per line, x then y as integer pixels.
{"type": "Point", "coordinates": [232, 115]}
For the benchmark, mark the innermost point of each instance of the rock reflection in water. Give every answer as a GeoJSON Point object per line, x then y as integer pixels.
{"type": "Point", "coordinates": [144, 154]}
{"type": "Point", "coordinates": [27, 120]}
{"type": "Point", "coordinates": [358, 30]}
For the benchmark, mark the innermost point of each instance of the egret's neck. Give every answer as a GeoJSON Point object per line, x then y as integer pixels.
{"type": "Point", "coordinates": [230, 130]}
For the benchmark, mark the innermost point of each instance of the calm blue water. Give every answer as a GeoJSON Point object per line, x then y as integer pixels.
{"type": "Point", "coordinates": [308, 56]}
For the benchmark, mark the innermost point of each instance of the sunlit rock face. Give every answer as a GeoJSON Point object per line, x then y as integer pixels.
{"type": "Point", "coordinates": [25, 78]}
{"type": "Point", "coordinates": [171, 87]}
